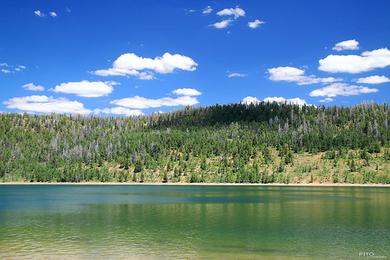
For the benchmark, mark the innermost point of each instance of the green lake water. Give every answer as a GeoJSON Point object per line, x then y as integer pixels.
{"type": "Point", "coordinates": [193, 222]}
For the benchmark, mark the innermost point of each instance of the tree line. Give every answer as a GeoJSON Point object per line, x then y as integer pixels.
{"type": "Point", "coordinates": [263, 142]}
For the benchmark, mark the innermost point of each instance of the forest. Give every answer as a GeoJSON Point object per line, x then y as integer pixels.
{"type": "Point", "coordinates": [233, 143]}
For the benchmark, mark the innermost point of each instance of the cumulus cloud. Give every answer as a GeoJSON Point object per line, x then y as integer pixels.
{"type": "Point", "coordinates": [346, 45]}
{"type": "Point", "coordinates": [143, 68]}
{"type": "Point", "coordinates": [33, 87]}
{"type": "Point", "coordinates": [231, 12]}
{"type": "Point", "coordinates": [44, 104]}
{"type": "Point", "coordinates": [341, 89]}
{"type": "Point", "coordinates": [256, 23]}
{"type": "Point", "coordinates": [86, 88]}
{"type": "Point", "coordinates": [281, 100]}
{"type": "Point", "coordinates": [6, 71]}
{"type": "Point", "coordinates": [53, 14]}
{"type": "Point", "coordinates": [367, 61]}
{"type": "Point", "coordinates": [138, 102]}
{"type": "Point", "coordinates": [207, 10]}
{"type": "Point", "coordinates": [373, 80]}
{"type": "Point", "coordinates": [222, 24]}
{"type": "Point", "coordinates": [187, 92]}
{"type": "Point", "coordinates": [250, 100]}
{"type": "Point", "coordinates": [122, 111]}
{"type": "Point", "coordinates": [236, 75]}
{"type": "Point", "coordinates": [292, 74]}
{"type": "Point", "coordinates": [39, 13]}
{"type": "Point", "coordinates": [235, 12]}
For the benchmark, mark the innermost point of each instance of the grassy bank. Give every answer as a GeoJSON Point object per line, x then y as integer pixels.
{"type": "Point", "coordinates": [354, 167]}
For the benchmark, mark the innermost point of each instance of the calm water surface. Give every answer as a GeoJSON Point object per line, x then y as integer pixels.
{"type": "Point", "coordinates": [193, 222]}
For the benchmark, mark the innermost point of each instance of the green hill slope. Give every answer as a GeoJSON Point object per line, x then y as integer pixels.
{"type": "Point", "coordinates": [259, 143]}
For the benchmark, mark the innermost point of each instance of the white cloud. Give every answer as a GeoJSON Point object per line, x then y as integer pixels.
{"type": "Point", "coordinates": [44, 104]}
{"type": "Point", "coordinates": [281, 100]}
{"type": "Point", "coordinates": [373, 80]}
{"type": "Point", "coordinates": [236, 12]}
{"type": "Point", "coordinates": [256, 23]}
{"type": "Point", "coordinates": [346, 45]}
{"type": "Point", "coordinates": [292, 74]}
{"type": "Point", "coordinates": [207, 10]}
{"type": "Point", "coordinates": [85, 88]}
{"type": "Point", "coordinates": [138, 102]}
{"type": "Point", "coordinates": [236, 75]}
{"type": "Point", "coordinates": [7, 68]}
{"type": "Point", "coordinates": [118, 111]}
{"type": "Point", "coordinates": [33, 87]}
{"type": "Point", "coordinates": [341, 89]}
{"type": "Point", "coordinates": [187, 92]}
{"type": "Point", "coordinates": [122, 72]}
{"type": "Point", "coordinates": [39, 13]}
{"type": "Point", "coordinates": [250, 100]}
{"type": "Point", "coordinates": [367, 61]}
{"type": "Point", "coordinates": [326, 100]}
{"type": "Point", "coordinates": [222, 24]}
{"type": "Point", "coordinates": [189, 11]}
{"type": "Point", "coordinates": [53, 14]}
{"type": "Point", "coordinates": [143, 68]}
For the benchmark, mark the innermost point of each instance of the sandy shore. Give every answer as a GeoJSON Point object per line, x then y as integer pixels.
{"type": "Point", "coordinates": [200, 184]}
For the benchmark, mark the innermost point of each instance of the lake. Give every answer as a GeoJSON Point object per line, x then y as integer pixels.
{"type": "Point", "coordinates": [193, 222]}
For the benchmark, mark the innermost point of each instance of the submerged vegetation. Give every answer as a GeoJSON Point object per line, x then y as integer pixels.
{"type": "Point", "coordinates": [237, 143]}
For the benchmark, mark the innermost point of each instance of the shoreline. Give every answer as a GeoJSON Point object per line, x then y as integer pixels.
{"type": "Point", "coordinates": [198, 184]}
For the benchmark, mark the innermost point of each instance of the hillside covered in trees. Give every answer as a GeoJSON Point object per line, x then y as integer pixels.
{"type": "Point", "coordinates": [236, 143]}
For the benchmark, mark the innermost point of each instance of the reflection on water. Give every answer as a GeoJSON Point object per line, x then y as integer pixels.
{"type": "Point", "coordinates": [158, 222]}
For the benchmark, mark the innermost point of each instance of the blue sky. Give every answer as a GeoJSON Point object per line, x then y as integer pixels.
{"type": "Point", "coordinates": [138, 57]}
